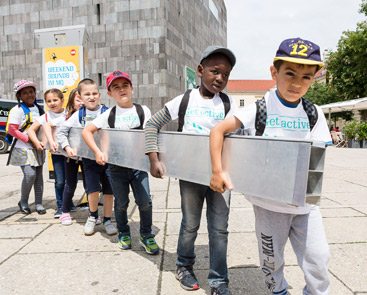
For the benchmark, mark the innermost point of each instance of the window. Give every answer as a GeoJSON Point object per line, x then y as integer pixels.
{"type": "Point", "coordinates": [242, 102]}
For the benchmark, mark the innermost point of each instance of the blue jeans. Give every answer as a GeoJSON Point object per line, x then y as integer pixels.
{"type": "Point", "coordinates": [58, 161]}
{"type": "Point", "coordinates": [121, 178]}
{"type": "Point", "coordinates": [217, 213]}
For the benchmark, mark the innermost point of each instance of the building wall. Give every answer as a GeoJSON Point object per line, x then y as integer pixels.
{"type": "Point", "coordinates": [151, 40]}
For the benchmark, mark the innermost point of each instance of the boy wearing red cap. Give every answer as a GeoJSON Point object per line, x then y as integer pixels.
{"type": "Point", "coordinates": [284, 113]}
{"type": "Point", "coordinates": [125, 115]}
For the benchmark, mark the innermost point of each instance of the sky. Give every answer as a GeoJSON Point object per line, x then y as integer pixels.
{"type": "Point", "coordinates": [255, 28]}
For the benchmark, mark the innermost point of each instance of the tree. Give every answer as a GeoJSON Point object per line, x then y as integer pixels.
{"type": "Point", "coordinates": [347, 67]}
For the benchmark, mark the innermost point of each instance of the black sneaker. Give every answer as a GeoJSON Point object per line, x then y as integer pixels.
{"type": "Point", "coordinates": [221, 289]}
{"type": "Point", "coordinates": [185, 275]}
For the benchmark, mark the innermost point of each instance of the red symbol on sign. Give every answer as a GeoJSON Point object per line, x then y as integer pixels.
{"type": "Point", "coordinates": [72, 52]}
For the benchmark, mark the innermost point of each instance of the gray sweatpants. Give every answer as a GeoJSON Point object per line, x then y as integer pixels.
{"type": "Point", "coordinates": [32, 177]}
{"type": "Point", "coordinates": [308, 240]}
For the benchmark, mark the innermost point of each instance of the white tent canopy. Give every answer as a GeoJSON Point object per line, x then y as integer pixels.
{"type": "Point", "coordinates": [348, 105]}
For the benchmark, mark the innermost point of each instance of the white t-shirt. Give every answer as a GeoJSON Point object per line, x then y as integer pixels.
{"type": "Point", "coordinates": [284, 121]}
{"type": "Point", "coordinates": [202, 114]}
{"type": "Point", "coordinates": [63, 132]}
{"type": "Point", "coordinates": [50, 116]}
{"type": "Point", "coordinates": [126, 118]}
{"type": "Point", "coordinates": [18, 117]}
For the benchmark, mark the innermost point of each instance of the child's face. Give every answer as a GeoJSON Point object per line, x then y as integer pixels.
{"type": "Point", "coordinates": [78, 103]}
{"type": "Point", "coordinates": [121, 90]}
{"type": "Point", "coordinates": [27, 95]}
{"type": "Point", "coordinates": [54, 103]}
{"type": "Point", "coordinates": [214, 74]}
{"type": "Point", "coordinates": [90, 96]}
{"type": "Point", "coordinates": [293, 80]}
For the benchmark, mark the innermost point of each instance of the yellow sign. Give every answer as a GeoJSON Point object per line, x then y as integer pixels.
{"type": "Point", "coordinates": [62, 68]}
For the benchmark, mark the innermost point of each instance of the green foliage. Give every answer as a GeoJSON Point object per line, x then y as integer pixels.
{"type": "Point", "coordinates": [362, 131]}
{"type": "Point", "coordinates": [347, 67]}
{"type": "Point", "coordinates": [350, 130]}
{"type": "Point", "coordinates": [322, 93]}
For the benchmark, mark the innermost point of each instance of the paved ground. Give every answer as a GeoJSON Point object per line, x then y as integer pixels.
{"type": "Point", "coordinates": [38, 255]}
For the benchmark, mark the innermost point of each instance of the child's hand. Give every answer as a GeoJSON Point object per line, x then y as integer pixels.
{"type": "Point", "coordinates": [219, 182]}
{"type": "Point", "coordinates": [70, 152]}
{"type": "Point", "coordinates": [157, 169]}
{"type": "Point", "coordinates": [53, 146]}
{"type": "Point", "coordinates": [39, 146]}
{"type": "Point", "coordinates": [100, 158]}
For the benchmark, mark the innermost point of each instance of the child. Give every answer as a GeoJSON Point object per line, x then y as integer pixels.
{"type": "Point", "coordinates": [71, 165]}
{"type": "Point", "coordinates": [126, 116]}
{"type": "Point", "coordinates": [22, 153]}
{"type": "Point", "coordinates": [94, 173]}
{"type": "Point", "coordinates": [294, 68]}
{"type": "Point", "coordinates": [214, 69]}
{"type": "Point", "coordinates": [54, 100]}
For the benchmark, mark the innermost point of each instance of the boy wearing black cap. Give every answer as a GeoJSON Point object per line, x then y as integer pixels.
{"type": "Point", "coordinates": [125, 115]}
{"type": "Point", "coordinates": [205, 107]}
{"type": "Point", "coordinates": [285, 113]}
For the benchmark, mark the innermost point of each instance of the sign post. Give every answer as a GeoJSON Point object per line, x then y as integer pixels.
{"type": "Point", "coordinates": [64, 61]}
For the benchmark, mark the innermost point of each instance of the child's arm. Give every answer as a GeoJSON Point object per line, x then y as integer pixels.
{"type": "Point", "coordinates": [33, 137]}
{"type": "Point", "coordinates": [152, 127]}
{"type": "Point", "coordinates": [87, 134]}
{"type": "Point", "coordinates": [62, 137]}
{"type": "Point", "coordinates": [218, 180]}
{"type": "Point", "coordinates": [47, 128]}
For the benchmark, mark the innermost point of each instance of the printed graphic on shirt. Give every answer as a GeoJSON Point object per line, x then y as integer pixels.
{"type": "Point", "coordinates": [286, 123]}
{"type": "Point", "coordinates": [126, 119]}
{"type": "Point", "coordinates": [195, 114]}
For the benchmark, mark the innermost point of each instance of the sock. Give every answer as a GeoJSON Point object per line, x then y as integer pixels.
{"type": "Point", "coordinates": [105, 219]}
{"type": "Point", "coordinates": [95, 213]}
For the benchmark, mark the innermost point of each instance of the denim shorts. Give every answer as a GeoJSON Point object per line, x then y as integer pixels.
{"type": "Point", "coordinates": [95, 176]}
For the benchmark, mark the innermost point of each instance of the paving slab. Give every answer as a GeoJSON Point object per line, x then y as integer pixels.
{"type": "Point", "coordinates": [346, 230]}
{"type": "Point", "coordinates": [80, 273]}
{"type": "Point", "coordinates": [348, 264]}
{"type": "Point", "coordinates": [8, 247]}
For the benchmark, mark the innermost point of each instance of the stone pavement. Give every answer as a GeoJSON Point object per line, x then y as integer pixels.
{"type": "Point", "coordinates": [38, 255]}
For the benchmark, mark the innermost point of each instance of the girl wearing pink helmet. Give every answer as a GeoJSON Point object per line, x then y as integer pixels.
{"type": "Point", "coordinates": [22, 152]}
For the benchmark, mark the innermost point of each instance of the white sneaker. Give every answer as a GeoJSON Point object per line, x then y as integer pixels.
{"type": "Point", "coordinates": [99, 221]}
{"type": "Point", "coordinates": [110, 228]}
{"type": "Point", "coordinates": [89, 226]}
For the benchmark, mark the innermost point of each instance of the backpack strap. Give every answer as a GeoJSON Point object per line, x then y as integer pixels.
{"type": "Point", "coordinates": [104, 108]}
{"type": "Point", "coordinates": [82, 114]}
{"type": "Point", "coordinates": [140, 111]}
{"type": "Point", "coordinates": [112, 117]}
{"type": "Point", "coordinates": [311, 112]}
{"type": "Point", "coordinates": [226, 102]}
{"type": "Point", "coordinates": [261, 114]}
{"type": "Point", "coordinates": [182, 110]}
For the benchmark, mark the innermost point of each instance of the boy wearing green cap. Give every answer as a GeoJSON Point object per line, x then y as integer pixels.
{"type": "Point", "coordinates": [284, 113]}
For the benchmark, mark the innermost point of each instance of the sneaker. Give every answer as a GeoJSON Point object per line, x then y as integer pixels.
{"type": "Point", "coordinates": [149, 245]}
{"type": "Point", "coordinates": [110, 228]}
{"type": "Point", "coordinates": [89, 226]}
{"type": "Point", "coordinates": [124, 242]}
{"type": "Point", "coordinates": [65, 219]}
{"type": "Point", "coordinates": [58, 213]}
{"type": "Point", "coordinates": [221, 289]}
{"type": "Point", "coordinates": [99, 221]}
{"type": "Point", "coordinates": [185, 275]}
